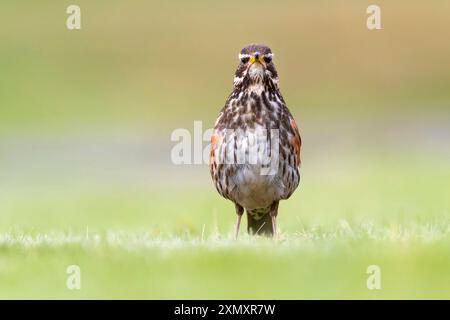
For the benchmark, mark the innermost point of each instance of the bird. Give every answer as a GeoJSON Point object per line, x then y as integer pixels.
{"type": "Point", "coordinates": [254, 158]}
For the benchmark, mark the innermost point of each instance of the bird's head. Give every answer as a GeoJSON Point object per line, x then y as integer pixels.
{"type": "Point", "coordinates": [255, 66]}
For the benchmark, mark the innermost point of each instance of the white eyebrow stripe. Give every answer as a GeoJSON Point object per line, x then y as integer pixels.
{"type": "Point", "coordinates": [245, 55]}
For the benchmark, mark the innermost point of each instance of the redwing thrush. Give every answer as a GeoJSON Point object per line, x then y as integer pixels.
{"type": "Point", "coordinates": [255, 147]}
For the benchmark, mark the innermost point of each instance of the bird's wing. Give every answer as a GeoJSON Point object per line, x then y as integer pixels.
{"type": "Point", "coordinates": [296, 141]}
{"type": "Point", "coordinates": [214, 141]}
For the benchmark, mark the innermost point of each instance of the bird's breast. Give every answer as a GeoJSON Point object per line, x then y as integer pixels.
{"type": "Point", "coordinates": [249, 160]}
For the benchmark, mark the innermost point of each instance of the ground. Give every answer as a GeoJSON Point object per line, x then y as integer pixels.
{"type": "Point", "coordinates": [148, 243]}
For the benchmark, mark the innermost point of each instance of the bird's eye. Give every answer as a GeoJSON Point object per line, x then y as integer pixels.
{"type": "Point", "coordinates": [244, 60]}
{"type": "Point", "coordinates": [267, 59]}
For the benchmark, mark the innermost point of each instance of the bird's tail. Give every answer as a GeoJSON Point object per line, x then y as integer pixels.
{"type": "Point", "coordinates": [259, 222]}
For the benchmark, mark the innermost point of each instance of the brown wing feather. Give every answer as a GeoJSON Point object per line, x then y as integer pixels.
{"type": "Point", "coordinates": [296, 142]}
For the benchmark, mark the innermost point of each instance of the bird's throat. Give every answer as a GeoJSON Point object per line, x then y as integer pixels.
{"type": "Point", "coordinates": [256, 71]}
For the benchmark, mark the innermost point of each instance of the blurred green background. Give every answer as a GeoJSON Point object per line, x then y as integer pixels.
{"type": "Point", "coordinates": [86, 176]}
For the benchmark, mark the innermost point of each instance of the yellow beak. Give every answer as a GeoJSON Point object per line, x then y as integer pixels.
{"type": "Point", "coordinates": [253, 59]}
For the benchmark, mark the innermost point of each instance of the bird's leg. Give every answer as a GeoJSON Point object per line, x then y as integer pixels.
{"type": "Point", "coordinates": [239, 213]}
{"type": "Point", "coordinates": [273, 215]}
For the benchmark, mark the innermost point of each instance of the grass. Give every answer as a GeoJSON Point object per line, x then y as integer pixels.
{"type": "Point", "coordinates": [147, 242]}
{"type": "Point", "coordinates": [311, 264]}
